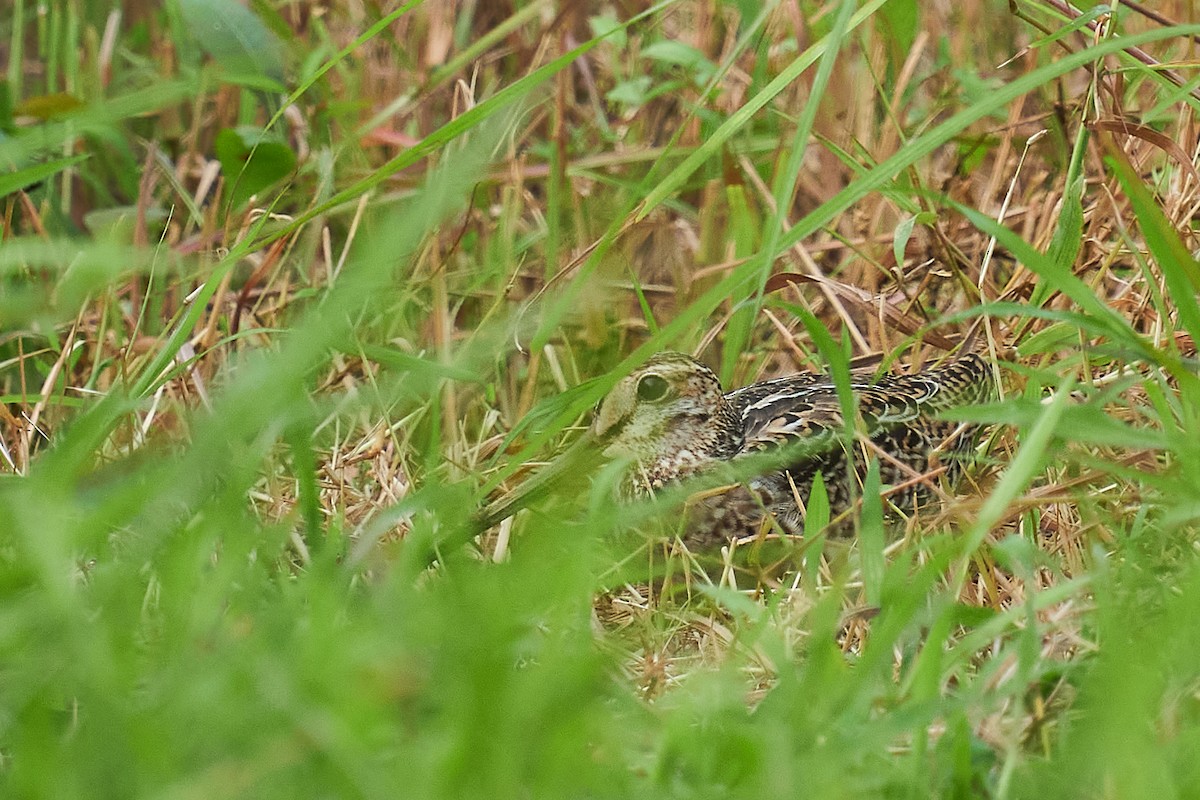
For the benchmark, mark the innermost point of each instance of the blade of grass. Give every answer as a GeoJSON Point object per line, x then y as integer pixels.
{"type": "Point", "coordinates": [742, 117]}
{"type": "Point", "coordinates": [1179, 269]}
{"type": "Point", "coordinates": [783, 190]}
{"type": "Point", "coordinates": [24, 178]}
{"type": "Point", "coordinates": [1068, 233]}
{"type": "Point", "coordinates": [942, 133]}
{"type": "Point", "coordinates": [434, 142]}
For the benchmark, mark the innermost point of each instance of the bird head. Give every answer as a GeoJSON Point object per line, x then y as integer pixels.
{"type": "Point", "coordinates": [665, 409]}
{"type": "Point", "coordinates": [670, 415]}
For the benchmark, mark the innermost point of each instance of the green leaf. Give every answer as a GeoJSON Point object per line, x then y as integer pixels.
{"type": "Point", "coordinates": [1068, 234]}
{"type": "Point", "coordinates": [1091, 15]}
{"type": "Point", "coordinates": [904, 233]}
{"type": "Point", "coordinates": [251, 162]}
{"type": "Point", "coordinates": [669, 51]}
{"type": "Point", "coordinates": [1058, 336]}
{"type": "Point", "coordinates": [6, 109]}
{"type": "Point", "coordinates": [1034, 451]}
{"type": "Point", "coordinates": [116, 224]}
{"type": "Point", "coordinates": [24, 178]}
{"type": "Point", "coordinates": [607, 24]}
{"type": "Point", "coordinates": [234, 37]}
{"type": "Point", "coordinates": [1059, 279]}
{"type": "Point", "coordinates": [1085, 423]}
{"type": "Point", "coordinates": [734, 602]}
{"type": "Point", "coordinates": [49, 106]}
{"type": "Point", "coordinates": [99, 117]}
{"type": "Point", "coordinates": [632, 92]}
{"type": "Point", "coordinates": [899, 26]}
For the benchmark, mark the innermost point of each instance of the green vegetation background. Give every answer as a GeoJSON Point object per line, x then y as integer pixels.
{"type": "Point", "coordinates": [390, 202]}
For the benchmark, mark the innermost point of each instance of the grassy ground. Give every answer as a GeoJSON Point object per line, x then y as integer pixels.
{"type": "Point", "coordinates": [289, 290]}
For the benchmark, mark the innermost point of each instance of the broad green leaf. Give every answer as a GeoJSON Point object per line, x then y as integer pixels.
{"type": "Point", "coordinates": [251, 162]}
{"type": "Point", "coordinates": [669, 51]}
{"type": "Point", "coordinates": [607, 25]}
{"type": "Point", "coordinates": [632, 92]}
{"type": "Point", "coordinates": [898, 25]}
{"type": "Point", "coordinates": [234, 36]}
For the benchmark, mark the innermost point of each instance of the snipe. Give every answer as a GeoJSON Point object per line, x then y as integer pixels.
{"type": "Point", "coordinates": [671, 421]}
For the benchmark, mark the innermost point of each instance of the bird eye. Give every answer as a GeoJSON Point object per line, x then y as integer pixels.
{"type": "Point", "coordinates": [651, 388]}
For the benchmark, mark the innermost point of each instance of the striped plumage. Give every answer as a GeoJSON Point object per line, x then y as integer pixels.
{"type": "Point", "coordinates": [671, 419]}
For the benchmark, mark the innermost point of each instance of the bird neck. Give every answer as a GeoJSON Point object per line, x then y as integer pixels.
{"type": "Point", "coordinates": [690, 446]}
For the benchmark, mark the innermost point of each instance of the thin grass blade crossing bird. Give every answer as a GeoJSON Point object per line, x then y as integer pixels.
{"type": "Point", "coordinates": [671, 421]}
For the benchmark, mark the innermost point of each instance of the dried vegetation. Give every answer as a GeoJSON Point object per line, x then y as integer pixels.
{"type": "Point", "coordinates": [458, 267]}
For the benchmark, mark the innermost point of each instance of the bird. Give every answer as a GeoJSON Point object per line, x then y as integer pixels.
{"type": "Point", "coordinates": [670, 422]}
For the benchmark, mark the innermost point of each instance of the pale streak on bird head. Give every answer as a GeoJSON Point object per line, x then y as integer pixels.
{"type": "Point", "coordinates": [657, 408]}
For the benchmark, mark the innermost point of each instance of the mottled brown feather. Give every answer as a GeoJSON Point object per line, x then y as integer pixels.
{"type": "Point", "coordinates": [671, 419]}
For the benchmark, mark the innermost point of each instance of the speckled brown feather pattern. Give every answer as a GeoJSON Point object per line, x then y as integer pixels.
{"type": "Point", "coordinates": [673, 421]}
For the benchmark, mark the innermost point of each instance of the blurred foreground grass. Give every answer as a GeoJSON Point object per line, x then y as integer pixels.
{"type": "Point", "coordinates": [286, 291]}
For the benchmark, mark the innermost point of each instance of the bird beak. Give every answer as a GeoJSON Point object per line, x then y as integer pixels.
{"type": "Point", "coordinates": [612, 414]}
{"type": "Point", "coordinates": [570, 462]}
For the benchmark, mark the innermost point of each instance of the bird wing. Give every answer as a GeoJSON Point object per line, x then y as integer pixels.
{"type": "Point", "coordinates": [808, 418]}
{"type": "Point", "coordinates": [806, 413]}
